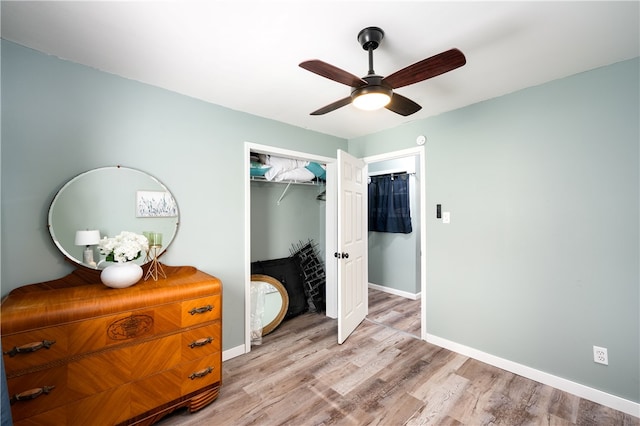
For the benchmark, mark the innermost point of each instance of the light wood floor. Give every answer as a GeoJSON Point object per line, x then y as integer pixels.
{"type": "Point", "coordinates": [380, 376]}
{"type": "Point", "coordinates": [394, 311]}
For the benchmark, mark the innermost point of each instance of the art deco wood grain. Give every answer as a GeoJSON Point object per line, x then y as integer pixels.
{"type": "Point", "coordinates": [114, 356]}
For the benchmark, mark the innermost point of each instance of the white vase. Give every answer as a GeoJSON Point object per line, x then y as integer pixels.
{"type": "Point", "coordinates": [121, 275]}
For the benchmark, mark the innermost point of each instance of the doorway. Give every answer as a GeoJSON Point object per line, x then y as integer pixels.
{"type": "Point", "coordinates": [394, 257]}
{"type": "Point", "coordinates": [331, 225]}
{"type": "Point", "coordinates": [396, 265]}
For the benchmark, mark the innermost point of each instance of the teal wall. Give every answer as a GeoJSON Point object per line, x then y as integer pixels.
{"type": "Point", "coordinates": [541, 259]}
{"type": "Point", "coordinates": [60, 119]}
{"type": "Point", "coordinates": [394, 259]}
{"type": "Point", "coordinates": [276, 228]}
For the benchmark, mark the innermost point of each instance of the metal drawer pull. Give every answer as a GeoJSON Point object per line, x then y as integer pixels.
{"type": "Point", "coordinates": [29, 347]}
{"type": "Point", "coordinates": [201, 310]}
{"type": "Point", "coordinates": [201, 342]}
{"type": "Point", "coordinates": [31, 394]}
{"type": "Point", "coordinates": [200, 374]}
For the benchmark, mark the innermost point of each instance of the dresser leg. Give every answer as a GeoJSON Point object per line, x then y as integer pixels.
{"type": "Point", "coordinates": [192, 403]}
{"type": "Point", "coordinates": [203, 399]}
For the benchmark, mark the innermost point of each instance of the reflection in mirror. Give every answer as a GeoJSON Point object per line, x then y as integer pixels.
{"type": "Point", "coordinates": [110, 200]}
{"type": "Point", "coordinates": [276, 301]}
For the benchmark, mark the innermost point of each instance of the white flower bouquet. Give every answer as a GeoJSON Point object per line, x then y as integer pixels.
{"type": "Point", "coordinates": [124, 247]}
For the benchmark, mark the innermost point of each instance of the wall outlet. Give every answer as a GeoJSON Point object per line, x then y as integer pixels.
{"type": "Point", "coordinates": [600, 355]}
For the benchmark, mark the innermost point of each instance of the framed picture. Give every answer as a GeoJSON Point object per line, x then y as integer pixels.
{"type": "Point", "coordinates": [155, 204]}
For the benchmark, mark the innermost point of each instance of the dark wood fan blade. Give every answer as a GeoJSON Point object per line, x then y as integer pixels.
{"type": "Point", "coordinates": [427, 68]}
{"type": "Point", "coordinates": [333, 106]}
{"type": "Point", "coordinates": [403, 106]}
{"type": "Point", "coordinates": [332, 73]}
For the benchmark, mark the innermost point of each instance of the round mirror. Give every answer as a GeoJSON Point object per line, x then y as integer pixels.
{"type": "Point", "coordinates": [105, 202]}
{"type": "Point", "coordinates": [276, 301]}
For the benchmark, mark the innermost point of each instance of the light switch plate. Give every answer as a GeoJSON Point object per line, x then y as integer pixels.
{"type": "Point", "coordinates": [446, 217]}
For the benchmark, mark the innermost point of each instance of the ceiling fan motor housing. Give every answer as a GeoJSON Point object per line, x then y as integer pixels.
{"type": "Point", "coordinates": [374, 85]}
{"type": "Point", "coordinates": [370, 37]}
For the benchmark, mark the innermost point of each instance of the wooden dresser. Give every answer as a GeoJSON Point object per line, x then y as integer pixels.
{"type": "Point", "coordinates": [79, 353]}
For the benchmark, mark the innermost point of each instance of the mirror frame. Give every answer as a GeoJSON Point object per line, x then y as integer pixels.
{"type": "Point", "coordinates": [268, 328]}
{"type": "Point", "coordinates": [168, 239]}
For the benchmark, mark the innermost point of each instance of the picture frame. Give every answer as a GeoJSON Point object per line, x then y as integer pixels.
{"type": "Point", "coordinates": [155, 204]}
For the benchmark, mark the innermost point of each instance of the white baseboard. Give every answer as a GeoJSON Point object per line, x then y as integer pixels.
{"type": "Point", "coordinates": [612, 401]}
{"type": "Point", "coordinates": [233, 352]}
{"type": "Point", "coordinates": [400, 293]}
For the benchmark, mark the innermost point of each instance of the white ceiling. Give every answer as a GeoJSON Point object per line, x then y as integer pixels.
{"type": "Point", "coordinates": [244, 55]}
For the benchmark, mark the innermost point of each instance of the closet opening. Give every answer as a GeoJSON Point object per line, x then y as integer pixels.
{"type": "Point", "coordinates": [285, 196]}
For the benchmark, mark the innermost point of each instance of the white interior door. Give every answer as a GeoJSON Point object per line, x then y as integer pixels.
{"type": "Point", "coordinates": [352, 244]}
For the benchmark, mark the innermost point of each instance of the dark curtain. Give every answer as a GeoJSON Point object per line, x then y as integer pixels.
{"type": "Point", "coordinates": [389, 204]}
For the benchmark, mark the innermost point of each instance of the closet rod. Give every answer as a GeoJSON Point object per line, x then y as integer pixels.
{"type": "Point", "coordinates": [388, 172]}
{"type": "Point", "coordinates": [392, 174]}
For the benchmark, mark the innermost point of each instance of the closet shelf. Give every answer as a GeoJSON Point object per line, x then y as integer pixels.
{"type": "Point", "coordinates": [315, 182]}
{"type": "Point", "coordinates": [271, 169]}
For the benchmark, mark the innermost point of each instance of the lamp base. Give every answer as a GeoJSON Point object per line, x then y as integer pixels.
{"type": "Point", "coordinates": [87, 257]}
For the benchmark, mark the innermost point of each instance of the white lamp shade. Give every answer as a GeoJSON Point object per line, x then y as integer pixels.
{"type": "Point", "coordinates": [87, 238]}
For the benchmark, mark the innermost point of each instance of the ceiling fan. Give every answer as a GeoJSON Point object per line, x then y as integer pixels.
{"type": "Point", "coordinates": [374, 91]}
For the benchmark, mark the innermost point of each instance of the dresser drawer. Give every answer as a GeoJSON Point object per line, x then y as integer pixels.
{"type": "Point", "coordinates": [36, 347]}
{"type": "Point", "coordinates": [188, 377]}
{"type": "Point", "coordinates": [102, 409]}
{"type": "Point", "coordinates": [155, 356]}
{"type": "Point", "coordinates": [56, 417]}
{"type": "Point", "coordinates": [99, 372]}
{"type": "Point", "coordinates": [35, 393]}
{"type": "Point", "coordinates": [155, 390]}
{"type": "Point", "coordinates": [200, 342]}
{"type": "Point", "coordinates": [199, 373]}
{"type": "Point", "coordinates": [199, 311]}
{"type": "Point", "coordinates": [39, 347]}
{"type": "Point", "coordinates": [98, 333]}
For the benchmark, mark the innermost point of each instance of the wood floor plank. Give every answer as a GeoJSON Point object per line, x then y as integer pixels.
{"type": "Point", "coordinates": [439, 401]}
{"type": "Point", "coordinates": [441, 366]}
{"type": "Point", "coordinates": [396, 408]}
{"type": "Point", "coordinates": [382, 376]}
{"type": "Point", "coordinates": [592, 414]}
{"type": "Point", "coordinates": [295, 403]}
{"type": "Point", "coordinates": [395, 311]}
{"type": "Point", "coordinates": [383, 334]}
{"type": "Point", "coordinates": [368, 369]}
{"type": "Point", "coordinates": [564, 405]}
{"type": "Point", "coordinates": [331, 408]}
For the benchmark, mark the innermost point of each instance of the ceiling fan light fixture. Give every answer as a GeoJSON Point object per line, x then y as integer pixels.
{"type": "Point", "coordinates": [374, 91]}
{"type": "Point", "coordinates": [371, 98]}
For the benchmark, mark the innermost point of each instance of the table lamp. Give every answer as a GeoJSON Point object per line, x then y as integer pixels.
{"type": "Point", "coordinates": [87, 238]}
